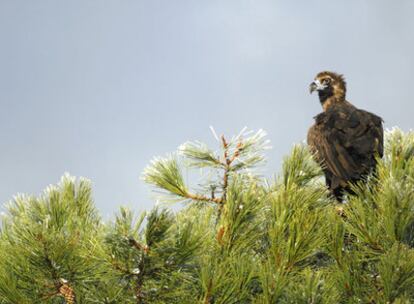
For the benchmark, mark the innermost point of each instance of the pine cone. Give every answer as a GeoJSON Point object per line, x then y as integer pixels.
{"type": "Point", "coordinates": [67, 292]}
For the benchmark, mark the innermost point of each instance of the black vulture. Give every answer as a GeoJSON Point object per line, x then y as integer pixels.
{"type": "Point", "coordinates": [345, 140]}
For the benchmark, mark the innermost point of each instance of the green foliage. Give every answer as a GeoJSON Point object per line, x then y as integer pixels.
{"type": "Point", "coordinates": [46, 241]}
{"type": "Point", "coordinates": [165, 174]}
{"type": "Point", "coordinates": [238, 239]}
{"type": "Point", "coordinates": [299, 167]}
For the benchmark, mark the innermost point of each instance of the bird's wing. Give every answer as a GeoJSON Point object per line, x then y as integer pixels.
{"type": "Point", "coordinates": [346, 141]}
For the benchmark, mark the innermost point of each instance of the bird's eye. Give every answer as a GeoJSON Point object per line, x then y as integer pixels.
{"type": "Point", "coordinates": [326, 81]}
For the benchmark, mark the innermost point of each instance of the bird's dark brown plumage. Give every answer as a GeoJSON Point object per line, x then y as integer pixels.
{"type": "Point", "coordinates": [344, 139]}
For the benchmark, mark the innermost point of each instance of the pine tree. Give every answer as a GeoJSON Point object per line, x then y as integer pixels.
{"type": "Point", "coordinates": [238, 238]}
{"type": "Point", "coordinates": [46, 245]}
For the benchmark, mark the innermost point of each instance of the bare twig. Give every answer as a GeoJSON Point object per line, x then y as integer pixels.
{"type": "Point", "coordinates": [207, 298]}
{"type": "Point", "coordinates": [228, 160]}
{"type": "Point", "coordinates": [139, 275]}
{"type": "Point", "coordinates": [62, 287]}
{"type": "Point", "coordinates": [134, 243]}
{"type": "Point", "coordinates": [203, 198]}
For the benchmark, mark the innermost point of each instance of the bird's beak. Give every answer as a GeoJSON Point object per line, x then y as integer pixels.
{"type": "Point", "coordinates": [312, 87]}
{"type": "Point", "coordinates": [316, 86]}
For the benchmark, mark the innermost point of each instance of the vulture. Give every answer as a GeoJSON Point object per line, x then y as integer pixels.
{"type": "Point", "coordinates": [344, 140]}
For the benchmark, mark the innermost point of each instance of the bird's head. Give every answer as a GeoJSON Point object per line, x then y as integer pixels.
{"type": "Point", "coordinates": [329, 84]}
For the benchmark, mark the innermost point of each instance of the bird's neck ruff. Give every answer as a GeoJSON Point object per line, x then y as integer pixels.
{"type": "Point", "coordinates": [331, 97]}
{"type": "Point", "coordinates": [331, 101]}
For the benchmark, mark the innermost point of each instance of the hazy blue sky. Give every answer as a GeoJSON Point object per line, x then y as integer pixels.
{"type": "Point", "coordinates": [97, 88]}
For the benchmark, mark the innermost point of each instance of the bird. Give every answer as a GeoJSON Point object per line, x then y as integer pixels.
{"type": "Point", "coordinates": [346, 141]}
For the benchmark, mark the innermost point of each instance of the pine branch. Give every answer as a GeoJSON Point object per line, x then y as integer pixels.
{"type": "Point", "coordinates": [165, 174]}
{"type": "Point", "coordinates": [199, 155]}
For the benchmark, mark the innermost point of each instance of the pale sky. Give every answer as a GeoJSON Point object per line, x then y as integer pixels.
{"type": "Point", "coordinates": [97, 88]}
